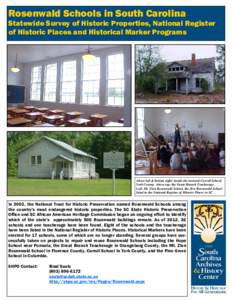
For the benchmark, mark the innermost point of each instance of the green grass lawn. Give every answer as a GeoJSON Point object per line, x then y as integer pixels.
{"type": "Point", "coordinates": [81, 187]}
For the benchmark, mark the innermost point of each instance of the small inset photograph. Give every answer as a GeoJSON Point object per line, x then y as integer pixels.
{"type": "Point", "coordinates": [69, 85]}
{"type": "Point", "coordinates": [180, 141]}
{"type": "Point", "coordinates": [69, 163]}
{"type": "Point", "coordinates": [180, 74]}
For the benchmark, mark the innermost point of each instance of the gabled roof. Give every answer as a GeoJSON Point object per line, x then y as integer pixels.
{"type": "Point", "coordinates": [176, 63]}
{"type": "Point", "coordinates": [62, 157]}
{"type": "Point", "coordinates": [202, 65]}
{"type": "Point", "coordinates": [63, 145]}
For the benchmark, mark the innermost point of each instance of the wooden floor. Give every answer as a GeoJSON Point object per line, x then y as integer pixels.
{"type": "Point", "coordinates": [169, 171]}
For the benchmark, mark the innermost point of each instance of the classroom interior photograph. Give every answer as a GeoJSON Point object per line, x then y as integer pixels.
{"type": "Point", "coordinates": [180, 141]}
{"type": "Point", "coordinates": [69, 85]}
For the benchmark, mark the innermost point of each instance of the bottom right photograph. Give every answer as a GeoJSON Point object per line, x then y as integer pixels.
{"type": "Point", "coordinates": [180, 141]}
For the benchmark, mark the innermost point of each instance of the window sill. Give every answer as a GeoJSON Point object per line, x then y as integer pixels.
{"type": "Point", "coordinates": [90, 104]}
{"type": "Point", "coordinates": [118, 106]}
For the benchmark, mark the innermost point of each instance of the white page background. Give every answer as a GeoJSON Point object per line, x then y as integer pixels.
{"type": "Point", "coordinates": [3, 129]}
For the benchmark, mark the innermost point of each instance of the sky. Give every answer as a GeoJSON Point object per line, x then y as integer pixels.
{"type": "Point", "coordinates": [181, 52]}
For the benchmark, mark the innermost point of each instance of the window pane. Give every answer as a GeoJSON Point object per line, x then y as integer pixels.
{"type": "Point", "coordinates": [140, 128]}
{"type": "Point", "coordinates": [116, 80]}
{"type": "Point", "coordinates": [39, 159]}
{"type": "Point", "coordinates": [68, 82]}
{"type": "Point", "coordinates": [50, 83]}
{"type": "Point", "coordinates": [69, 71]}
{"type": "Point", "coordinates": [33, 160]}
{"type": "Point", "coordinates": [36, 74]}
{"type": "Point", "coordinates": [115, 66]}
{"type": "Point", "coordinates": [91, 69]}
{"type": "Point", "coordinates": [140, 113]}
{"type": "Point", "coordinates": [35, 91]}
{"type": "Point", "coordinates": [50, 73]}
{"type": "Point", "coordinates": [90, 92]}
{"type": "Point", "coordinates": [68, 92]}
{"type": "Point", "coordinates": [50, 92]}
{"type": "Point", "coordinates": [116, 92]}
{"type": "Point", "coordinates": [140, 122]}
{"type": "Point", "coordinates": [91, 81]}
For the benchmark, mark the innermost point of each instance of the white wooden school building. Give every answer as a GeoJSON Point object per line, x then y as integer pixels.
{"type": "Point", "coordinates": [50, 158]}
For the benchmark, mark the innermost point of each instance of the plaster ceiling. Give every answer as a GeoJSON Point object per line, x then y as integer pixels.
{"type": "Point", "coordinates": [31, 53]}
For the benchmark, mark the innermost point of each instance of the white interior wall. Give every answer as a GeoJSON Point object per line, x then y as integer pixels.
{"type": "Point", "coordinates": [206, 121]}
{"type": "Point", "coordinates": [15, 78]}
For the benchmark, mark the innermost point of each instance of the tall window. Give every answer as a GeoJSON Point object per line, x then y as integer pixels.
{"type": "Point", "coordinates": [140, 122]}
{"type": "Point", "coordinates": [68, 82]}
{"type": "Point", "coordinates": [115, 80]}
{"type": "Point", "coordinates": [50, 82]}
{"type": "Point", "coordinates": [36, 75]}
{"type": "Point", "coordinates": [90, 81]}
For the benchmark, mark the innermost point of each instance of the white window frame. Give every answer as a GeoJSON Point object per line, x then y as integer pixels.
{"type": "Point", "coordinates": [39, 82]}
{"type": "Point", "coordinates": [61, 81]}
{"type": "Point", "coordinates": [90, 80]}
{"type": "Point", "coordinates": [36, 160]}
{"type": "Point", "coordinates": [108, 79]}
{"type": "Point", "coordinates": [140, 123]}
{"type": "Point", "coordinates": [100, 90]}
{"type": "Point", "coordinates": [44, 83]}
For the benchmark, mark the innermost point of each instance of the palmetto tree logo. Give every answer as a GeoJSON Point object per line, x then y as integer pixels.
{"type": "Point", "coordinates": [208, 221]}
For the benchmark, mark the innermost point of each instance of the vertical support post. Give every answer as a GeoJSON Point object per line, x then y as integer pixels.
{"type": "Point", "coordinates": [186, 86]}
{"type": "Point", "coordinates": [113, 182]}
{"type": "Point", "coordinates": [176, 84]}
{"type": "Point", "coordinates": [166, 88]}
